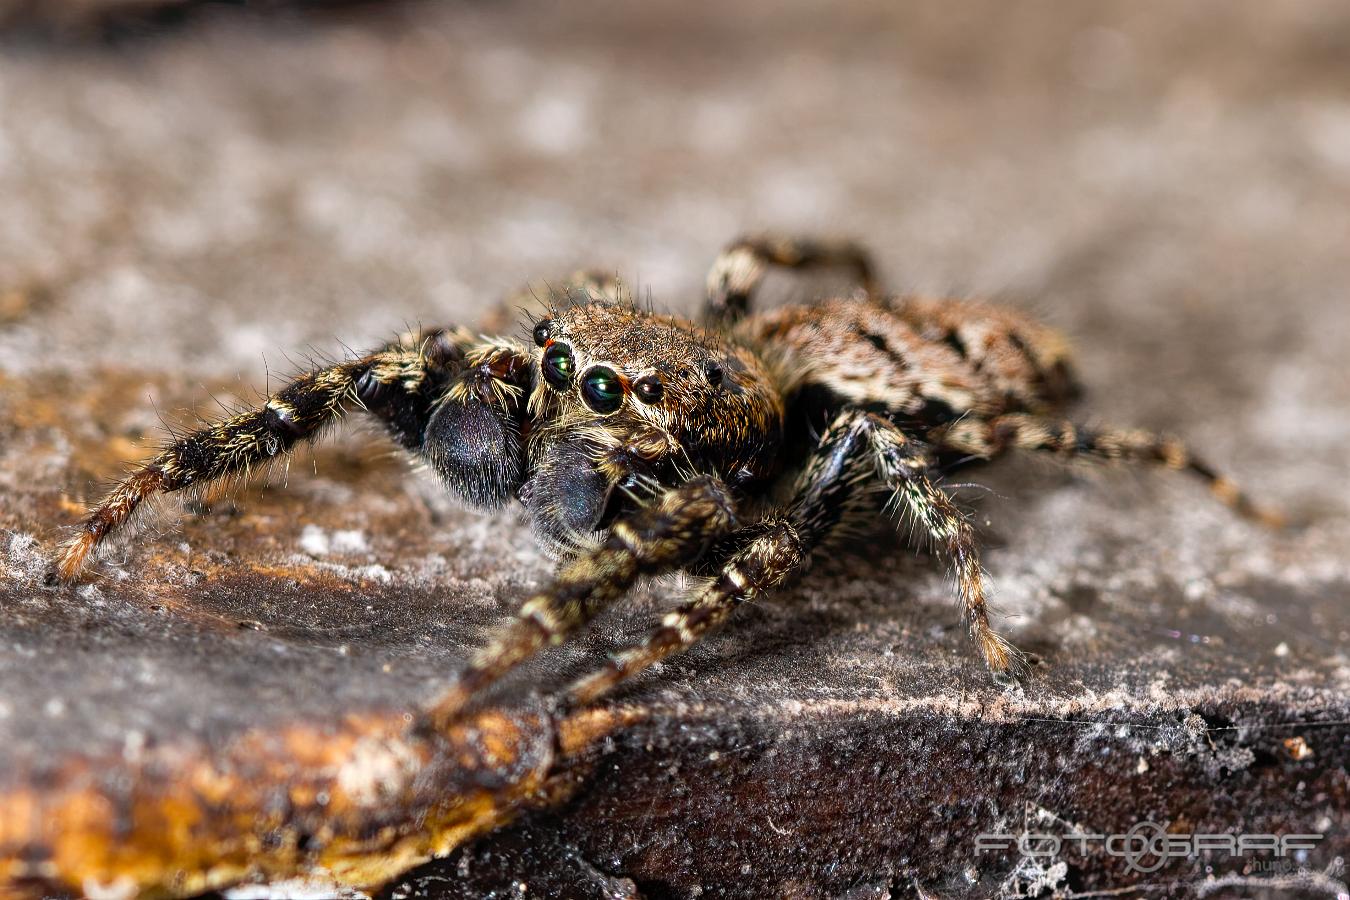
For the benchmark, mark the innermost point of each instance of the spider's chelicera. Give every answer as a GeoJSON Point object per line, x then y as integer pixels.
{"type": "Point", "coordinates": [641, 443]}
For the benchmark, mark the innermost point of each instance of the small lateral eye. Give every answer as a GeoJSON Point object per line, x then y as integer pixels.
{"type": "Point", "coordinates": [558, 366]}
{"type": "Point", "coordinates": [713, 372]}
{"type": "Point", "coordinates": [649, 389]}
{"type": "Point", "coordinates": [541, 331]}
{"type": "Point", "coordinates": [602, 390]}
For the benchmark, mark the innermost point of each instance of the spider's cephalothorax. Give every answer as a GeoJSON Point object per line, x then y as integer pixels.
{"type": "Point", "coordinates": [627, 402]}
{"type": "Point", "coordinates": [641, 443]}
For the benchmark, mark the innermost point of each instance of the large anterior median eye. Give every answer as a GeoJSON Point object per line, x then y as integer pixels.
{"type": "Point", "coordinates": [602, 390]}
{"type": "Point", "coordinates": [558, 366]}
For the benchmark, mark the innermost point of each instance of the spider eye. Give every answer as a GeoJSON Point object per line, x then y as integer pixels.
{"type": "Point", "coordinates": [713, 372]}
{"type": "Point", "coordinates": [649, 389]}
{"type": "Point", "coordinates": [602, 390]}
{"type": "Point", "coordinates": [541, 331]}
{"type": "Point", "coordinates": [558, 366]}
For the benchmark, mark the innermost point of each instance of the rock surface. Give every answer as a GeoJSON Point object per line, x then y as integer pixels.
{"type": "Point", "coordinates": [1168, 184]}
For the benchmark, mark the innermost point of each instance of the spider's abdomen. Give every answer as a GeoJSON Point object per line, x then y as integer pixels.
{"type": "Point", "coordinates": [925, 360]}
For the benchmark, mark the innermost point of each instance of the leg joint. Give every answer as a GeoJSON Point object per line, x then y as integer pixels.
{"type": "Point", "coordinates": [765, 561]}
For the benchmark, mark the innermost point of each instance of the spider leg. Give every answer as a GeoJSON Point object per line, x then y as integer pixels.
{"type": "Point", "coordinates": [669, 534]}
{"type": "Point", "coordinates": [1068, 441]}
{"type": "Point", "coordinates": [766, 555]}
{"type": "Point", "coordinates": [854, 449]}
{"type": "Point", "coordinates": [742, 265]}
{"type": "Point", "coordinates": [905, 464]}
{"type": "Point", "coordinates": [399, 384]}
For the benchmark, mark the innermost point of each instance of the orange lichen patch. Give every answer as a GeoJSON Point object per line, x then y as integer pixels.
{"type": "Point", "coordinates": [164, 587]}
{"type": "Point", "coordinates": [102, 414]}
{"type": "Point", "coordinates": [587, 727]}
{"type": "Point", "coordinates": [25, 296]}
{"type": "Point", "coordinates": [15, 303]}
{"type": "Point", "coordinates": [358, 802]}
{"type": "Point", "coordinates": [1298, 748]}
{"type": "Point", "coordinates": [58, 401]}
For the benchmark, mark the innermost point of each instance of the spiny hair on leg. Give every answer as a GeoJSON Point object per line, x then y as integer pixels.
{"type": "Point", "coordinates": [144, 501]}
{"type": "Point", "coordinates": [666, 535]}
{"type": "Point", "coordinates": [230, 448]}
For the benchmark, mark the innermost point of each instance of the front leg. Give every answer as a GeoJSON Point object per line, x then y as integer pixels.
{"type": "Point", "coordinates": [670, 534]}
{"type": "Point", "coordinates": [397, 383]}
{"type": "Point", "coordinates": [758, 557]}
{"type": "Point", "coordinates": [440, 393]}
{"type": "Point", "coordinates": [766, 554]}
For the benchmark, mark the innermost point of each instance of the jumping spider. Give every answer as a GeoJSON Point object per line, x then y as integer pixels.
{"type": "Point", "coordinates": [641, 444]}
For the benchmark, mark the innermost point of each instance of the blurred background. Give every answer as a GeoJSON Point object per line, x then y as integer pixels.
{"type": "Point", "coordinates": [190, 187]}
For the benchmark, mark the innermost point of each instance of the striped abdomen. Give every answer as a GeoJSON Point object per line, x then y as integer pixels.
{"type": "Point", "coordinates": [930, 360]}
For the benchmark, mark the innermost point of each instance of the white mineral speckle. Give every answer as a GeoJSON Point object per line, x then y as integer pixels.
{"type": "Point", "coordinates": [294, 889]}
{"type": "Point", "coordinates": [317, 542]}
{"type": "Point", "coordinates": [375, 768]}
{"type": "Point", "coordinates": [350, 541]}
{"type": "Point", "coordinates": [314, 541]}
{"type": "Point", "coordinates": [375, 573]}
{"type": "Point", "coordinates": [123, 887]}
{"type": "Point", "coordinates": [25, 560]}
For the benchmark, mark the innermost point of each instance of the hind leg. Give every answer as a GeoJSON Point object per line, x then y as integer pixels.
{"type": "Point", "coordinates": [905, 465]}
{"type": "Point", "coordinates": [739, 268]}
{"type": "Point", "coordinates": [1068, 441]}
